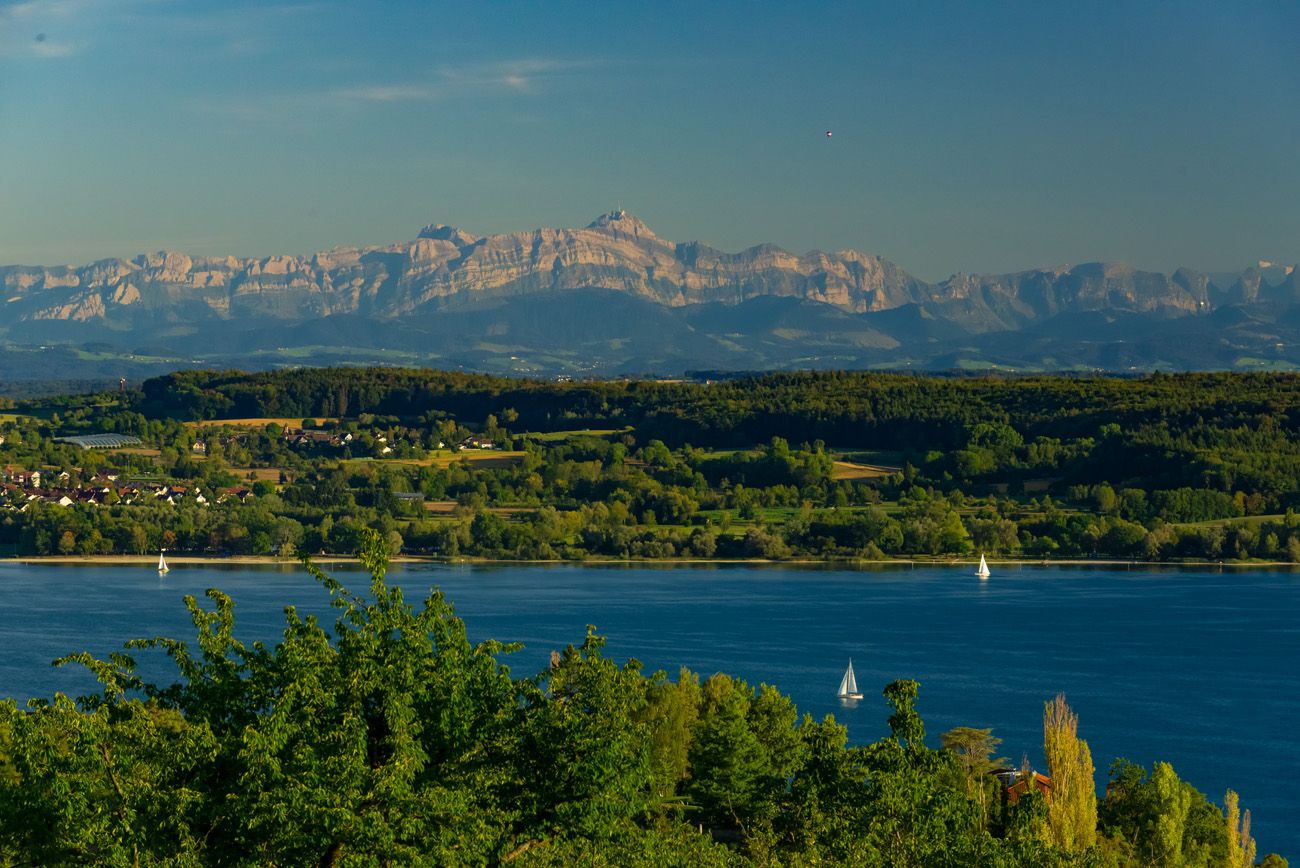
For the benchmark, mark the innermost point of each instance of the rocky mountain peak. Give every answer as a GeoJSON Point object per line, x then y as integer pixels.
{"type": "Point", "coordinates": [546, 289]}
{"type": "Point", "coordinates": [440, 232]}
{"type": "Point", "coordinates": [622, 223]}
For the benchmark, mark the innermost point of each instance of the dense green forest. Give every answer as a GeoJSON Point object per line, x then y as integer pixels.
{"type": "Point", "coordinates": [389, 740]}
{"type": "Point", "coordinates": [812, 465]}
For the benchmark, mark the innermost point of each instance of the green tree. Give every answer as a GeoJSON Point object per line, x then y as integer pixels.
{"type": "Point", "coordinates": [139, 539]}
{"type": "Point", "coordinates": [1072, 812]}
{"type": "Point", "coordinates": [1241, 847]}
{"type": "Point", "coordinates": [911, 820]}
{"type": "Point", "coordinates": [824, 807]}
{"type": "Point", "coordinates": [773, 719]}
{"type": "Point", "coordinates": [487, 530]}
{"type": "Point", "coordinates": [728, 764]}
{"type": "Point", "coordinates": [974, 749]}
{"type": "Point", "coordinates": [670, 713]}
{"type": "Point", "coordinates": [1105, 500]}
{"type": "Point", "coordinates": [1164, 821]}
{"type": "Point", "coordinates": [389, 740]}
{"type": "Point", "coordinates": [1173, 802]}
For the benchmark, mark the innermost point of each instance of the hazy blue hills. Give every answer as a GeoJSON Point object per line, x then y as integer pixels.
{"type": "Point", "coordinates": [613, 297]}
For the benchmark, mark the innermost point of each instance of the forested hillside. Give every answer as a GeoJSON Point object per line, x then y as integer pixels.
{"type": "Point", "coordinates": [826, 465]}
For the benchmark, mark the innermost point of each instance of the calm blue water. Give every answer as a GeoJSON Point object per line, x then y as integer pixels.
{"type": "Point", "coordinates": [1199, 669]}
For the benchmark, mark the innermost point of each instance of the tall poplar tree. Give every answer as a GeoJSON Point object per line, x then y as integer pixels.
{"type": "Point", "coordinates": [1173, 804]}
{"type": "Point", "coordinates": [1241, 847]}
{"type": "Point", "coordinates": [1072, 814]}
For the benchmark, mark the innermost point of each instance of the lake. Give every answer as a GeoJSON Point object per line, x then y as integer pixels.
{"type": "Point", "coordinates": [1198, 668]}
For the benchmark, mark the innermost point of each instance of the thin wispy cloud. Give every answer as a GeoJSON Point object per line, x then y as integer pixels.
{"type": "Point", "coordinates": [62, 28]}
{"type": "Point", "coordinates": [445, 83]}
{"type": "Point", "coordinates": [242, 32]}
{"type": "Point", "coordinates": [388, 93]}
{"type": "Point", "coordinates": [45, 10]}
{"type": "Point", "coordinates": [471, 80]}
{"type": "Point", "coordinates": [514, 74]}
{"type": "Point", "coordinates": [49, 48]}
{"type": "Point", "coordinates": [42, 28]}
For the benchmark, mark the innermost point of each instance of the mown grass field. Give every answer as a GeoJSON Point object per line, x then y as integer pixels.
{"type": "Point", "coordinates": [137, 450]}
{"type": "Point", "coordinates": [1249, 520]}
{"type": "Point", "coordinates": [557, 436]}
{"type": "Point", "coordinates": [43, 415]}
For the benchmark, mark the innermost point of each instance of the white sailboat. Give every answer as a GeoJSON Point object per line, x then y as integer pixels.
{"type": "Point", "coordinates": [848, 684]}
{"type": "Point", "coordinates": [162, 563]}
{"type": "Point", "coordinates": [983, 571]}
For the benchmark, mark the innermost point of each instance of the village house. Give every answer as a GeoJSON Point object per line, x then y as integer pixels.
{"type": "Point", "coordinates": [26, 479]}
{"type": "Point", "coordinates": [299, 437]}
{"type": "Point", "coordinates": [240, 494]}
{"type": "Point", "coordinates": [1016, 785]}
{"type": "Point", "coordinates": [22, 488]}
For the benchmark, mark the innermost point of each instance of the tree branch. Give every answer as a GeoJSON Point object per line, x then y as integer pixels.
{"type": "Point", "coordinates": [519, 851]}
{"type": "Point", "coordinates": [121, 799]}
{"type": "Point", "coordinates": [331, 855]}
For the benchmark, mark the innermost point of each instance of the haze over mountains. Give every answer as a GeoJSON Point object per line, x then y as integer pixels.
{"type": "Point", "coordinates": [614, 297]}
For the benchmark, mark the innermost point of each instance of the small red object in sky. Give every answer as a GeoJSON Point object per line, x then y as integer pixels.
{"type": "Point", "coordinates": [828, 132]}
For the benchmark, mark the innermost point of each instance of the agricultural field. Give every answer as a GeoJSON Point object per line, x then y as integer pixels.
{"type": "Point", "coordinates": [1248, 521]}
{"type": "Point", "coordinates": [445, 458]}
{"type": "Point", "coordinates": [852, 472]}
{"type": "Point", "coordinates": [559, 436]}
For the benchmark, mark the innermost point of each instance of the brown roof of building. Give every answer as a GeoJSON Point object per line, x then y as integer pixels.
{"type": "Point", "coordinates": [1020, 787]}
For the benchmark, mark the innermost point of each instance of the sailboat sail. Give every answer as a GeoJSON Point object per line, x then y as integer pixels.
{"type": "Point", "coordinates": [849, 684]}
{"type": "Point", "coordinates": [162, 563]}
{"type": "Point", "coordinates": [984, 567]}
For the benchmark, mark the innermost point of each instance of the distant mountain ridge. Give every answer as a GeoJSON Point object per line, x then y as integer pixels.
{"type": "Point", "coordinates": [614, 296]}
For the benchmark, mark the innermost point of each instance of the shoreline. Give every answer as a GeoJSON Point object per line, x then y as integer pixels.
{"type": "Point", "coordinates": [263, 560]}
{"type": "Point", "coordinates": [179, 559]}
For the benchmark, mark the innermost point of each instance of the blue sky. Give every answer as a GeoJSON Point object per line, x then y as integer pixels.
{"type": "Point", "coordinates": [966, 136]}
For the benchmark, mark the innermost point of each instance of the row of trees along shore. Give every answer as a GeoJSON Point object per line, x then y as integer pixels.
{"type": "Point", "coordinates": [391, 740]}
{"type": "Point", "coordinates": [1166, 467]}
